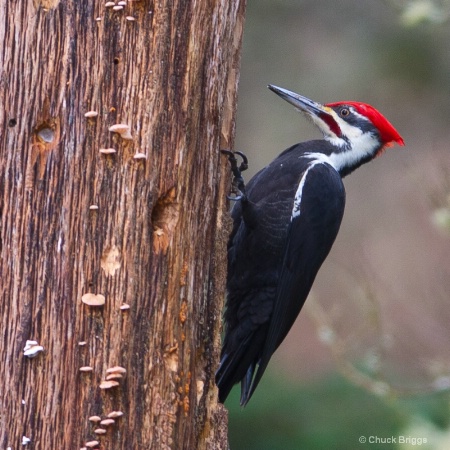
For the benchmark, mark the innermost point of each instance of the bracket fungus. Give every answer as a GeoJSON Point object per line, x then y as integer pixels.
{"type": "Point", "coordinates": [108, 384]}
{"type": "Point", "coordinates": [91, 114]}
{"type": "Point", "coordinates": [107, 151]}
{"type": "Point", "coordinates": [114, 376]}
{"type": "Point", "coordinates": [123, 129]}
{"type": "Point", "coordinates": [106, 422]}
{"type": "Point", "coordinates": [93, 299]}
{"type": "Point", "coordinates": [100, 431]}
{"type": "Point", "coordinates": [94, 419]}
{"type": "Point", "coordinates": [32, 348]}
{"type": "Point", "coordinates": [116, 369]}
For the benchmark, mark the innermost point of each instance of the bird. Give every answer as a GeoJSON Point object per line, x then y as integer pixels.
{"type": "Point", "coordinates": [285, 221]}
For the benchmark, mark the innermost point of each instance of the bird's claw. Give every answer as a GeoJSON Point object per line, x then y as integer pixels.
{"type": "Point", "coordinates": [233, 161]}
{"type": "Point", "coordinates": [235, 198]}
{"type": "Point", "coordinates": [244, 163]}
{"type": "Point", "coordinates": [237, 185]}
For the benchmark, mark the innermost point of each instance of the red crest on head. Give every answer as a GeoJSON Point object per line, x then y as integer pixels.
{"type": "Point", "coordinates": [388, 133]}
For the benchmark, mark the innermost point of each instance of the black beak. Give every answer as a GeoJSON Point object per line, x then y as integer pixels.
{"type": "Point", "coordinates": [302, 103]}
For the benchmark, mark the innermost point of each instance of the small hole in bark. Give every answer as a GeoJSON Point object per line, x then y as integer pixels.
{"type": "Point", "coordinates": [164, 220]}
{"type": "Point", "coordinates": [46, 135]}
{"type": "Point", "coordinates": [12, 123]}
{"type": "Point", "coordinates": [116, 60]}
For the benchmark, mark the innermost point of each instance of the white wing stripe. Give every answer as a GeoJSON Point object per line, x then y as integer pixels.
{"type": "Point", "coordinates": [298, 195]}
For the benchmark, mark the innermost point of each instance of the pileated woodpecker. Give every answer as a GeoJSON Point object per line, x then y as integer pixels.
{"type": "Point", "coordinates": [285, 221]}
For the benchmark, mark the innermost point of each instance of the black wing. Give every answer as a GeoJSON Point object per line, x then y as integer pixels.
{"type": "Point", "coordinates": [310, 237]}
{"type": "Point", "coordinates": [273, 260]}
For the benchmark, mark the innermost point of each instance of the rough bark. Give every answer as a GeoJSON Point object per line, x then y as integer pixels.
{"type": "Point", "coordinates": [148, 232]}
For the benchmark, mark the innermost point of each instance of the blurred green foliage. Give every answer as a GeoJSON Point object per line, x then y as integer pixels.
{"type": "Point", "coordinates": [328, 413]}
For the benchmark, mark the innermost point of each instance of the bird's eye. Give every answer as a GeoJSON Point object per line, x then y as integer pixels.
{"type": "Point", "coordinates": [344, 112]}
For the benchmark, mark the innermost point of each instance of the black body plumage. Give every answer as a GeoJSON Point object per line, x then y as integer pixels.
{"type": "Point", "coordinates": [273, 259]}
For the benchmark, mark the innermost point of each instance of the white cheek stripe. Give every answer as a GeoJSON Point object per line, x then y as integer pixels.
{"type": "Point", "coordinates": [362, 145]}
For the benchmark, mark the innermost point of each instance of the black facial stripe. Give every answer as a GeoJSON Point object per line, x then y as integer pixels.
{"type": "Point", "coordinates": [356, 120]}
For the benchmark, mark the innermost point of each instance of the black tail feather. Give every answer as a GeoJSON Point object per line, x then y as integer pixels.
{"type": "Point", "coordinates": [232, 369]}
{"type": "Point", "coordinates": [239, 366]}
{"type": "Point", "coordinates": [246, 384]}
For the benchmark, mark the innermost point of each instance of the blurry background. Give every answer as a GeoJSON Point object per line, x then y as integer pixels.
{"type": "Point", "coordinates": [370, 352]}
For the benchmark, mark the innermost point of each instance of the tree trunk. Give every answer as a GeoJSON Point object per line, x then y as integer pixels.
{"type": "Point", "coordinates": [144, 227]}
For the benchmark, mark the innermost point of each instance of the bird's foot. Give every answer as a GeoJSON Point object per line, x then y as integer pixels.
{"type": "Point", "coordinates": [238, 184]}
